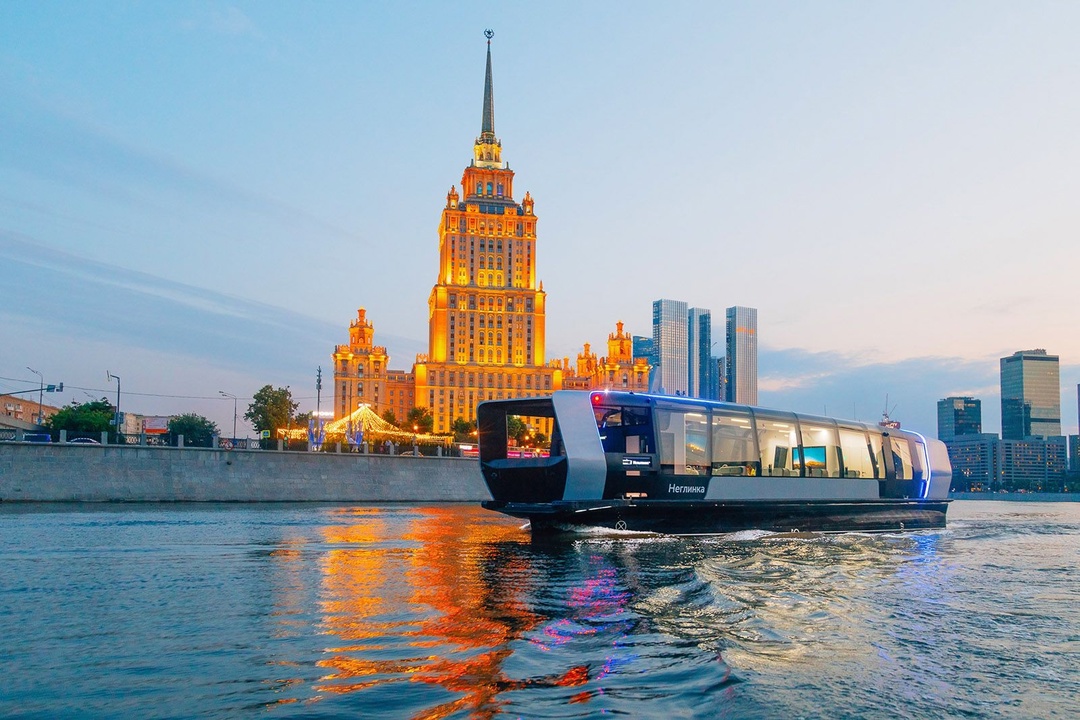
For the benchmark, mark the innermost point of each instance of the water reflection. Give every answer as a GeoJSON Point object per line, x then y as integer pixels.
{"type": "Point", "coordinates": [478, 620]}
{"type": "Point", "coordinates": [440, 606]}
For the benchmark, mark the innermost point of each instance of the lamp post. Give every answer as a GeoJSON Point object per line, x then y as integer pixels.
{"type": "Point", "coordinates": [229, 395]}
{"type": "Point", "coordinates": [41, 389]}
{"type": "Point", "coordinates": [117, 379]}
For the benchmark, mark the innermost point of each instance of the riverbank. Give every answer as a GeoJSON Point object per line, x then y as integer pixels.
{"type": "Point", "coordinates": [114, 473]}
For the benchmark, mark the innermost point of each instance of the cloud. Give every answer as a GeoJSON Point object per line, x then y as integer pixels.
{"type": "Point", "coordinates": [83, 299]}
{"type": "Point", "coordinates": [844, 386]}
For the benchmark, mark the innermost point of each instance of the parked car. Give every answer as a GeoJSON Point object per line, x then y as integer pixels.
{"type": "Point", "coordinates": [84, 441]}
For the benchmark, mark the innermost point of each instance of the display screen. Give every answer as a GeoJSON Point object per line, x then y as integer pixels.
{"type": "Point", "coordinates": [814, 457]}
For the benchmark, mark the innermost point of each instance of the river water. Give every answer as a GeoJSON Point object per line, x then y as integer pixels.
{"type": "Point", "coordinates": [450, 611]}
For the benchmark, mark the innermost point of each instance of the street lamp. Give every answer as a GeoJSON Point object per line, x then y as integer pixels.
{"type": "Point", "coordinates": [233, 413]}
{"type": "Point", "coordinates": [117, 379]}
{"type": "Point", "coordinates": [41, 390]}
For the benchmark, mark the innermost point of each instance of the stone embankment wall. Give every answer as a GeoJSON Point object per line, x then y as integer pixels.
{"type": "Point", "coordinates": [106, 473]}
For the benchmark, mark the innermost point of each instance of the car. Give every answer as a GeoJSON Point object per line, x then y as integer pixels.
{"type": "Point", "coordinates": [84, 441]}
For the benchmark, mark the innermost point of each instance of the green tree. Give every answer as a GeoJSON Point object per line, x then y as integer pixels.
{"type": "Point", "coordinates": [390, 417]}
{"type": "Point", "coordinates": [516, 428]}
{"type": "Point", "coordinates": [463, 430]}
{"type": "Point", "coordinates": [419, 420]}
{"type": "Point", "coordinates": [197, 430]}
{"type": "Point", "coordinates": [271, 408]}
{"type": "Point", "coordinates": [88, 417]}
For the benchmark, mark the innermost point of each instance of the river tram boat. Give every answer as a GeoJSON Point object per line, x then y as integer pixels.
{"type": "Point", "coordinates": [674, 465]}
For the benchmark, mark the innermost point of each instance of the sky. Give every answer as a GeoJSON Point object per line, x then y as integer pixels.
{"type": "Point", "coordinates": [197, 196]}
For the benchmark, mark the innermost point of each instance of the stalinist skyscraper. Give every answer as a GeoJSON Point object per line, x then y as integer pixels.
{"type": "Point", "coordinates": [486, 310]}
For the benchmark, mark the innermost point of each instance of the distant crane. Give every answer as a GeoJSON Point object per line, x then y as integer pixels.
{"type": "Point", "coordinates": [886, 421]}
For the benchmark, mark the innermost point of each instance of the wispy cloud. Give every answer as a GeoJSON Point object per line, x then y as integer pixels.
{"type": "Point", "coordinates": [80, 298]}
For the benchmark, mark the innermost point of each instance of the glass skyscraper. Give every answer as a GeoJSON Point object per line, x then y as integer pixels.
{"type": "Point", "coordinates": [958, 416]}
{"type": "Point", "coordinates": [742, 355]}
{"type": "Point", "coordinates": [699, 347]}
{"type": "Point", "coordinates": [670, 326]}
{"type": "Point", "coordinates": [1030, 395]}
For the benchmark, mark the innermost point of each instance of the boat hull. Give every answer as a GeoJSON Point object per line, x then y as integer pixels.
{"type": "Point", "coordinates": [701, 517]}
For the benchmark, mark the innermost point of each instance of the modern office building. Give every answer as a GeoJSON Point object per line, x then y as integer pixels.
{"type": "Point", "coordinates": [958, 416]}
{"type": "Point", "coordinates": [1030, 395]}
{"type": "Point", "coordinates": [699, 353]}
{"type": "Point", "coordinates": [643, 348]}
{"type": "Point", "coordinates": [670, 343]}
{"type": "Point", "coordinates": [716, 379]}
{"type": "Point", "coordinates": [742, 355]}
{"type": "Point", "coordinates": [987, 463]}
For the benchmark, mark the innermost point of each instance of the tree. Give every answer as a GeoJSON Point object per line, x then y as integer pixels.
{"type": "Point", "coordinates": [516, 429]}
{"type": "Point", "coordinates": [463, 430]}
{"type": "Point", "coordinates": [271, 408]}
{"type": "Point", "coordinates": [197, 430]}
{"type": "Point", "coordinates": [390, 417]}
{"type": "Point", "coordinates": [419, 420]}
{"type": "Point", "coordinates": [94, 416]}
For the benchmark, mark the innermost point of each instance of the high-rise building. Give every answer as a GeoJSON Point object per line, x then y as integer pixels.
{"type": "Point", "coordinates": [742, 355]}
{"type": "Point", "coordinates": [958, 416]}
{"type": "Point", "coordinates": [643, 348]}
{"type": "Point", "coordinates": [670, 326]}
{"type": "Point", "coordinates": [699, 352]}
{"type": "Point", "coordinates": [487, 308]}
{"type": "Point", "coordinates": [1030, 395]}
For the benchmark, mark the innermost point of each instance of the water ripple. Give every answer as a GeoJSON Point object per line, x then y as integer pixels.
{"type": "Point", "coordinates": [403, 611]}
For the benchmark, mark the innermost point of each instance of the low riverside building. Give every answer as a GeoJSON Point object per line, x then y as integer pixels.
{"type": "Point", "coordinates": [987, 463]}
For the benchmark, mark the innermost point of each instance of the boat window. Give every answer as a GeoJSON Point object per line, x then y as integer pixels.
{"type": "Point", "coordinates": [918, 455]}
{"type": "Point", "coordinates": [877, 453]}
{"type": "Point", "coordinates": [733, 448]}
{"type": "Point", "coordinates": [778, 439]}
{"type": "Point", "coordinates": [818, 456]}
{"type": "Point", "coordinates": [858, 462]}
{"type": "Point", "coordinates": [684, 440]}
{"type": "Point", "coordinates": [901, 457]}
{"type": "Point", "coordinates": [624, 429]}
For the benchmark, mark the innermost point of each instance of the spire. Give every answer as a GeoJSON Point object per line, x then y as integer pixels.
{"type": "Point", "coordinates": [487, 151]}
{"type": "Point", "coordinates": [487, 124]}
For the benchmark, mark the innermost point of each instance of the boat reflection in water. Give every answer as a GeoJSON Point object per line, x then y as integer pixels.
{"type": "Point", "coordinates": [451, 611]}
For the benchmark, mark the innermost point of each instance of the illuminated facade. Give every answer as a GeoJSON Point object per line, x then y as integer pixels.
{"type": "Point", "coordinates": [487, 308]}
{"type": "Point", "coordinates": [619, 370]}
{"type": "Point", "coordinates": [360, 373]}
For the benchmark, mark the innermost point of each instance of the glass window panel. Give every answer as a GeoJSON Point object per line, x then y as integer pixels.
{"type": "Point", "coordinates": [733, 449]}
{"type": "Point", "coordinates": [777, 438]}
{"type": "Point", "coordinates": [877, 451]}
{"type": "Point", "coordinates": [858, 462]}
{"type": "Point", "coordinates": [819, 456]}
{"type": "Point", "coordinates": [901, 457]}
{"type": "Point", "coordinates": [684, 438]}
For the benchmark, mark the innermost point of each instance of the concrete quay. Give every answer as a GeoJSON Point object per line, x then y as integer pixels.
{"type": "Point", "coordinates": [54, 472]}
